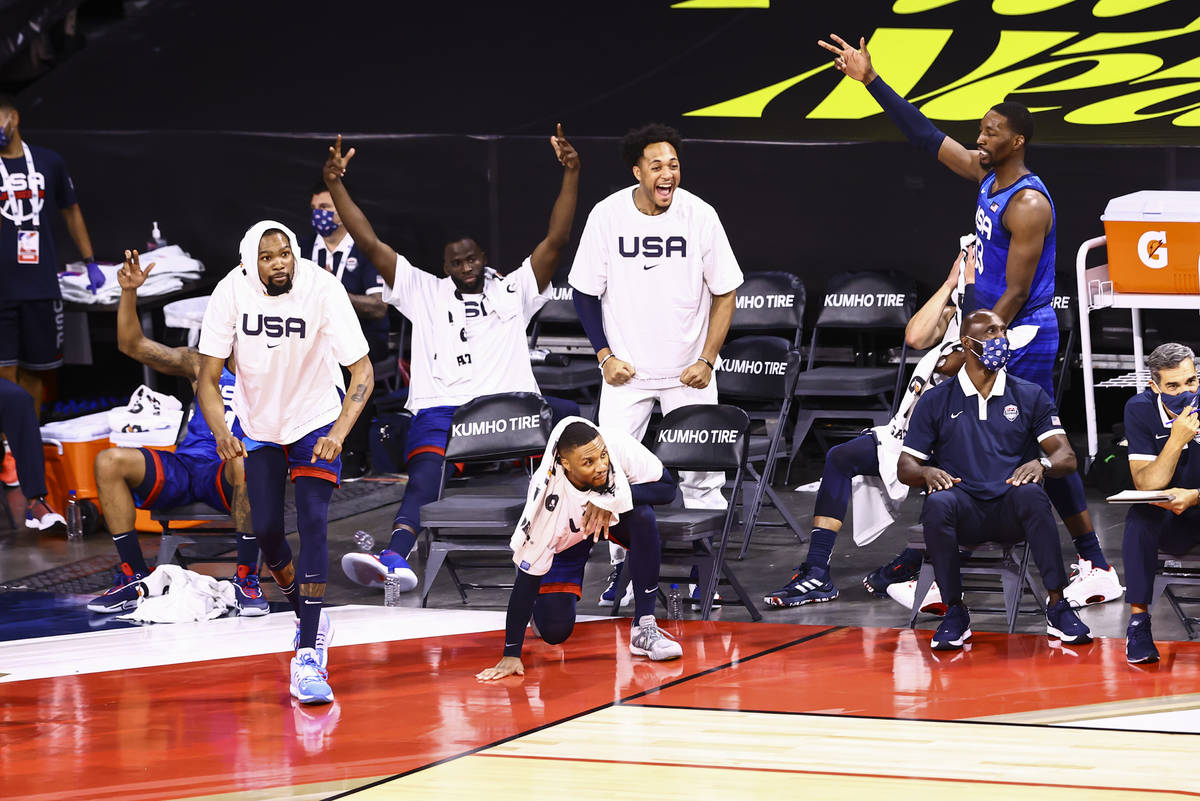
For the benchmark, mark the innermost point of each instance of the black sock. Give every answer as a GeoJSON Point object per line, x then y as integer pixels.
{"type": "Point", "coordinates": [247, 551]}
{"type": "Point", "coordinates": [129, 548]}
{"type": "Point", "coordinates": [292, 593]}
{"type": "Point", "coordinates": [310, 620]}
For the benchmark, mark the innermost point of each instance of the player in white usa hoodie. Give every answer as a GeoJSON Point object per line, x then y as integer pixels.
{"type": "Point", "coordinates": [291, 324]}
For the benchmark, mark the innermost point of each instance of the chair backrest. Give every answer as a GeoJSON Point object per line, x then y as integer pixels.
{"type": "Point", "coordinates": [561, 306]}
{"type": "Point", "coordinates": [510, 425]}
{"type": "Point", "coordinates": [770, 301]}
{"type": "Point", "coordinates": [703, 437]}
{"type": "Point", "coordinates": [868, 300]}
{"type": "Point", "coordinates": [1066, 345]}
{"type": "Point", "coordinates": [754, 367]}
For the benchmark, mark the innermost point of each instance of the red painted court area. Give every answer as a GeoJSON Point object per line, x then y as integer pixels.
{"type": "Point", "coordinates": [229, 725]}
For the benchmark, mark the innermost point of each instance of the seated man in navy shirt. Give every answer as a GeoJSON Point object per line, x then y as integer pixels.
{"type": "Point", "coordinates": [983, 430]}
{"type": "Point", "coordinates": [333, 248]}
{"type": "Point", "coordinates": [1160, 425]}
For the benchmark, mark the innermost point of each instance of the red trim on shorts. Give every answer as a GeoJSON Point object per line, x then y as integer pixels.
{"type": "Point", "coordinates": [221, 487]}
{"type": "Point", "coordinates": [561, 586]}
{"type": "Point", "coordinates": [152, 496]}
{"type": "Point", "coordinates": [315, 472]}
{"type": "Point", "coordinates": [440, 451]}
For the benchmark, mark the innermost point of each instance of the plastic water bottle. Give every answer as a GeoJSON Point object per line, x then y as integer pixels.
{"type": "Point", "coordinates": [391, 590]}
{"type": "Point", "coordinates": [74, 518]}
{"type": "Point", "coordinates": [364, 541]}
{"type": "Point", "coordinates": [674, 603]}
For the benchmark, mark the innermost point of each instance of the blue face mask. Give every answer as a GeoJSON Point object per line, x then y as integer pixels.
{"type": "Point", "coordinates": [995, 353]}
{"type": "Point", "coordinates": [322, 220]}
{"type": "Point", "coordinates": [1177, 403]}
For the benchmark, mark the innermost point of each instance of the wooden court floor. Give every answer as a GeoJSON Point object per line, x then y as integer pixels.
{"type": "Point", "coordinates": [751, 711]}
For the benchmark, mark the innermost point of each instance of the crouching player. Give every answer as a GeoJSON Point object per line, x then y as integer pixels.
{"type": "Point", "coordinates": [597, 483]}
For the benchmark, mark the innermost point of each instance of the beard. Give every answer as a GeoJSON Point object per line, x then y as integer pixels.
{"type": "Point", "coordinates": [275, 289]}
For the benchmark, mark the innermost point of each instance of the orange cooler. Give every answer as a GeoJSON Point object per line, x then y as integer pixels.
{"type": "Point", "coordinates": [1154, 242]}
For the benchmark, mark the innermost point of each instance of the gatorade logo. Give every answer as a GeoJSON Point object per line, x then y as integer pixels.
{"type": "Point", "coordinates": [1152, 249]}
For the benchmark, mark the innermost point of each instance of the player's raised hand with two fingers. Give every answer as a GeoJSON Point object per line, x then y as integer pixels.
{"type": "Point", "coordinates": [849, 60]}
{"type": "Point", "coordinates": [563, 150]}
{"type": "Point", "coordinates": [131, 275]}
{"type": "Point", "coordinates": [335, 165]}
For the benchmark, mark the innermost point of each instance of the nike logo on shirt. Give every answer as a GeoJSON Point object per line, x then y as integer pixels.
{"type": "Point", "coordinates": [956, 414]}
{"type": "Point", "coordinates": [650, 266]}
{"type": "Point", "coordinates": [274, 345]}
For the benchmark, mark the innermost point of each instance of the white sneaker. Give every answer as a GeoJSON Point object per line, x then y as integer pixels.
{"type": "Point", "coordinates": [1091, 585]}
{"type": "Point", "coordinates": [694, 594]}
{"type": "Point", "coordinates": [309, 679]}
{"type": "Point", "coordinates": [647, 639]}
{"type": "Point", "coordinates": [903, 593]}
{"type": "Point", "coordinates": [39, 516]}
{"type": "Point", "coordinates": [324, 639]}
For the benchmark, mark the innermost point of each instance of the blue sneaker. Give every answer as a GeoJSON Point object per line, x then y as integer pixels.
{"type": "Point", "coordinates": [250, 599]}
{"type": "Point", "coordinates": [1139, 640]}
{"type": "Point", "coordinates": [310, 681]}
{"type": "Point", "coordinates": [954, 631]}
{"type": "Point", "coordinates": [324, 640]}
{"type": "Point", "coordinates": [1064, 624]}
{"type": "Point", "coordinates": [371, 570]}
{"type": "Point", "coordinates": [905, 567]}
{"type": "Point", "coordinates": [810, 585]}
{"type": "Point", "coordinates": [123, 595]}
{"type": "Point", "coordinates": [610, 588]}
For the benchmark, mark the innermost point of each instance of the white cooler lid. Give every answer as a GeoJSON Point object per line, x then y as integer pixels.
{"type": "Point", "coordinates": [78, 429]}
{"type": "Point", "coordinates": [1151, 204]}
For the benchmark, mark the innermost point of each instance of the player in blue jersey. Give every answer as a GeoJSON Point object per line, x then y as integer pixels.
{"type": "Point", "coordinates": [1015, 225]}
{"type": "Point", "coordinates": [142, 478]}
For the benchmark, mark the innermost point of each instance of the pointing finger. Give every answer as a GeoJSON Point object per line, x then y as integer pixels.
{"type": "Point", "coordinates": [337, 146]}
{"type": "Point", "coordinates": [349, 155]}
{"type": "Point", "coordinates": [559, 131]}
{"type": "Point", "coordinates": [840, 41]}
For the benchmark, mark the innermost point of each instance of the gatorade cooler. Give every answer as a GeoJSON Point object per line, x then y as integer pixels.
{"type": "Point", "coordinates": [1154, 242]}
{"type": "Point", "coordinates": [70, 448]}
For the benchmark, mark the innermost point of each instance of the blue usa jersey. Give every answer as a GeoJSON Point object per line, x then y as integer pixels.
{"type": "Point", "coordinates": [994, 240]}
{"type": "Point", "coordinates": [199, 439]}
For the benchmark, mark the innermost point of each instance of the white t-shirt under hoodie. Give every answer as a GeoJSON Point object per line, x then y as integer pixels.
{"type": "Point", "coordinates": [288, 346]}
{"type": "Point", "coordinates": [466, 345]}
{"type": "Point", "coordinates": [655, 276]}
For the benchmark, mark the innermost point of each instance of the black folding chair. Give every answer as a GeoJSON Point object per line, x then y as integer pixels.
{"type": "Point", "coordinates": [871, 305]}
{"type": "Point", "coordinates": [702, 438]}
{"type": "Point", "coordinates": [579, 375]}
{"type": "Point", "coordinates": [492, 428]}
{"type": "Point", "coordinates": [770, 301]}
{"type": "Point", "coordinates": [759, 373]}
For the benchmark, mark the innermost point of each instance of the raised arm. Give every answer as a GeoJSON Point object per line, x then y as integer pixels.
{"type": "Point", "coordinates": [133, 342]}
{"type": "Point", "coordinates": [547, 255]}
{"type": "Point", "coordinates": [856, 63]}
{"type": "Point", "coordinates": [380, 254]}
{"type": "Point", "coordinates": [1028, 220]}
{"type": "Point", "coordinates": [927, 327]}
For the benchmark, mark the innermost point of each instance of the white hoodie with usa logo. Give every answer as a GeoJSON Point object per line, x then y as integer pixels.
{"type": "Point", "coordinates": [288, 346]}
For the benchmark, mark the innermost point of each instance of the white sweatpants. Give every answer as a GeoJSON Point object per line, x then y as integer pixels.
{"type": "Point", "coordinates": [629, 407]}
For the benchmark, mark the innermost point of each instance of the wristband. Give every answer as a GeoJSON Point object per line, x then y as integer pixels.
{"type": "Point", "coordinates": [706, 361]}
{"type": "Point", "coordinates": [606, 358]}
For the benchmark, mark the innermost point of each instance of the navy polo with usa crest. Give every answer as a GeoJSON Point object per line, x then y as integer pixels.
{"type": "Point", "coordinates": [981, 440]}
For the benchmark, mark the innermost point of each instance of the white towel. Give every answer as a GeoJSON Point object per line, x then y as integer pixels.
{"type": "Point", "coordinates": [451, 360]}
{"type": "Point", "coordinates": [175, 595]}
{"type": "Point", "coordinates": [534, 539]}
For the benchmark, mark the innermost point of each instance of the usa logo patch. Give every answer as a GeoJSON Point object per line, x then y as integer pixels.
{"type": "Point", "coordinates": [1010, 412]}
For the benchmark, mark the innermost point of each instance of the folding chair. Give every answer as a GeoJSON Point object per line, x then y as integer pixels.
{"type": "Point", "coordinates": [578, 374]}
{"type": "Point", "coordinates": [985, 559]}
{"type": "Point", "coordinates": [771, 301]}
{"type": "Point", "coordinates": [762, 370]}
{"type": "Point", "coordinates": [204, 519]}
{"type": "Point", "coordinates": [702, 438]}
{"type": "Point", "coordinates": [1066, 348]}
{"type": "Point", "coordinates": [868, 304]}
{"type": "Point", "coordinates": [492, 428]}
{"type": "Point", "coordinates": [1178, 570]}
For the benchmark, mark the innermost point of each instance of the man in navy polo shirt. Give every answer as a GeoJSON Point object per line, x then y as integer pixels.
{"type": "Point", "coordinates": [984, 430]}
{"type": "Point", "coordinates": [1160, 424]}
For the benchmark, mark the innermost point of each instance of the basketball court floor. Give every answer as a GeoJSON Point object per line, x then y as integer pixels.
{"type": "Point", "coordinates": [834, 701]}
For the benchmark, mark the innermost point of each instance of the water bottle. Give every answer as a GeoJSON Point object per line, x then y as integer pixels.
{"type": "Point", "coordinates": [74, 519]}
{"type": "Point", "coordinates": [391, 590]}
{"type": "Point", "coordinates": [674, 603]}
{"type": "Point", "coordinates": [364, 541]}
